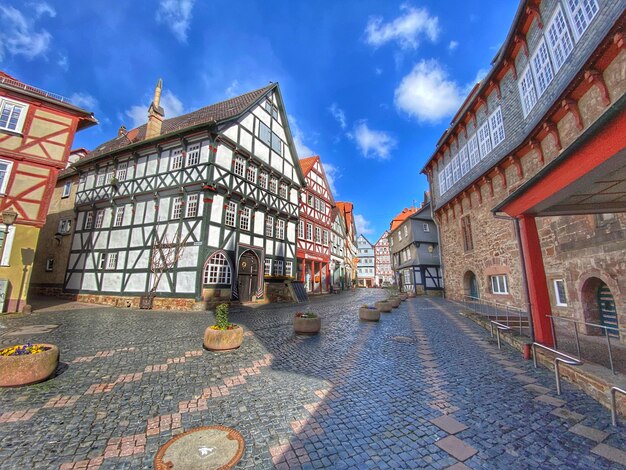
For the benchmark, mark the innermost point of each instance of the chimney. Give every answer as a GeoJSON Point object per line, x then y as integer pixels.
{"type": "Point", "coordinates": [121, 131]}
{"type": "Point", "coordinates": [155, 113]}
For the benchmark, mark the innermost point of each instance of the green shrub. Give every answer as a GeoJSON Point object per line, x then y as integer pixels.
{"type": "Point", "coordinates": [221, 317]}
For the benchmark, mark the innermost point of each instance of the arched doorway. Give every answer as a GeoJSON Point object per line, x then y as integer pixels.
{"type": "Point", "coordinates": [247, 276]}
{"type": "Point", "coordinates": [471, 285]}
{"type": "Point", "coordinates": [599, 306]}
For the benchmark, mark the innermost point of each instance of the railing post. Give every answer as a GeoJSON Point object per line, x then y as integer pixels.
{"type": "Point", "coordinates": [556, 345]}
{"type": "Point", "coordinates": [558, 377]}
{"type": "Point", "coordinates": [608, 344]}
{"type": "Point", "coordinates": [577, 339]}
{"type": "Point", "coordinates": [533, 347]}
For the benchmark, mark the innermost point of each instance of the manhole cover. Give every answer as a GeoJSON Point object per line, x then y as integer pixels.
{"type": "Point", "coordinates": [403, 339]}
{"type": "Point", "coordinates": [204, 448]}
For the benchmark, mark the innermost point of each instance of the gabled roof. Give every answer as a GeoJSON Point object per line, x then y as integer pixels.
{"type": "Point", "coordinates": [383, 236]}
{"type": "Point", "coordinates": [346, 209]}
{"type": "Point", "coordinates": [215, 113]}
{"type": "Point", "coordinates": [401, 217]}
{"type": "Point", "coordinates": [307, 163]}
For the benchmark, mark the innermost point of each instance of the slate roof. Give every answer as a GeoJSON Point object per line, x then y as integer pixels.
{"type": "Point", "coordinates": [218, 112]}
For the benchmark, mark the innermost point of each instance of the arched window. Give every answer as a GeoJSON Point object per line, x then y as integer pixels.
{"type": "Point", "coordinates": [217, 270]}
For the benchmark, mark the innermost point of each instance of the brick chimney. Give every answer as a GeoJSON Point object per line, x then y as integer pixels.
{"type": "Point", "coordinates": [121, 131]}
{"type": "Point", "coordinates": [155, 113]}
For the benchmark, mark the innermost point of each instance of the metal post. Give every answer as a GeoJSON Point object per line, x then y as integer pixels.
{"type": "Point", "coordinates": [577, 339]}
{"type": "Point", "coordinates": [532, 346]}
{"type": "Point", "coordinates": [608, 344]}
{"type": "Point", "coordinates": [556, 345]}
{"type": "Point", "coordinates": [498, 336]}
{"type": "Point", "coordinates": [558, 377]}
{"type": "Point", "coordinates": [613, 406]}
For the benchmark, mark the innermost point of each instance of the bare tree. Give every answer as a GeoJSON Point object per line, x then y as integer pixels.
{"type": "Point", "coordinates": [166, 251]}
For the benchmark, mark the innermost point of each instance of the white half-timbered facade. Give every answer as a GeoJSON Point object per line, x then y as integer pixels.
{"type": "Point", "coordinates": [338, 235]}
{"type": "Point", "coordinates": [210, 199]}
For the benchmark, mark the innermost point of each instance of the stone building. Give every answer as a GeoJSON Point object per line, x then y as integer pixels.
{"type": "Point", "coordinates": [382, 261]}
{"type": "Point", "coordinates": [37, 129]}
{"type": "Point", "coordinates": [366, 266]}
{"type": "Point", "coordinates": [534, 159]}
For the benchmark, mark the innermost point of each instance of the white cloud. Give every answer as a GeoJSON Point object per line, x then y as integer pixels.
{"type": "Point", "coordinates": [63, 62]}
{"type": "Point", "coordinates": [427, 93]}
{"type": "Point", "coordinates": [171, 104]}
{"type": "Point", "coordinates": [298, 138]}
{"type": "Point", "coordinates": [85, 101]}
{"type": "Point", "coordinates": [405, 29]}
{"type": "Point", "coordinates": [233, 89]}
{"type": "Point", "coordinates": [332, 175]}
{"type": "Point", "coordinates": [18, 35]}
{"type": "Point", "coordinates": [363, 226]}
{"type": "Point", "coordinates": [378, 71]}
{"type": "Point", "coordinates": [43, 8]}
{"type": "Point", "coordinates": [453, 45]}
{"type": "Point", "coordinates": [338, 114]}
{"type": "Point", "coordinates": [176, 14]}
{"type": "Point", "coordinates": [371, 142]}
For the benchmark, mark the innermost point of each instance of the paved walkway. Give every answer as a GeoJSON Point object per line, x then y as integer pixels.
{"type": "Point", "coordinates": [422, 388]}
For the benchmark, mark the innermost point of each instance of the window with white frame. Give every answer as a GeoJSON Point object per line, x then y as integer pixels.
{"type": "Point", "coordinates": [288, 268]}
{"type": "Point", "coordinates": [310, 200]}
{"type": "Point", "coordinates": [325, 238]}
{"type": "Point", "coordinates": [263, 179]}
{"type": "Point", "coordinates": [239, 166]}
{"type": "Point", "coordinates": [448, 176]}
{"type": "Point", "coordinates": [406, 230]}
{"type": "Point", "coordinates": [110, 174]}
{"type": "Point", "coordinates": [177, 159]}
{"type": "Point", "coordinates": [426, 227]}
{"type": "Point", "coordinates": [119, 216]}
{"type": "Point", "coordinates": [309, 231]}
{"type": "Point", "coordinates": [273, 185]}
{"type": "Point", "coordinates": [581, 13]}
{"type": "Point", "coordinates": [473, 150]}
{"type": "Point", "coordinates": [484, 139]}
{"type": "Point", "coordinates": [112, 261]}
{"type": "Point", "coordinates": [99, 218]}
{"type": "Point", "coordinates": [270, 108]}
{"type": "Point", "coordinates": [191, 209]}
{"type": "Point", "coordinates": [464, 159]}
{"type": "Point", "coordinates": [282, 192]}
{"type": "Point", "coordinates": [193, 155]}
{"type": "Point", "coordinates": [267, 268]}
{"type": "Point", "coordinates": [278, 267]}
{"type": "Point", "coordinates": [65, 226]}
{"type": "Point", "coordinates": [102, 258]}
{"type": "Point", "coordinates": [244, 219]}
{"type": "Point", "coordinates": [560, 296]}
{"type": "Point", "coordinates": [5, 171]}
{"type": "Point", "coordinates": [277, 144]}
{"type": "Point", "coordinates": [50, 264]}
{"type": "Point", "coordinates": [265, 134]}
{"type": "Point", "coordinates": [251, 173]}
{"type": "Point", "coordinates": [217, 270]}
{"type": "Point", "coordinates": [67, 189]}
{"type": "Point", "coordinates": [12, 115]}
{"type": "Point", "coordinates": [230, 214]}
{"type": "Point", "coordinates": [100, 178]}
{"type": "Point", "coordinates": [542, 67]}
{"type": "Point", "coordinates": [456, 169]}
{"type": "Point", "coordinates": [301, 229]}
{"type": "Point", "coordinates": [280, 229]}
{"type": "Point", "coordinates": [269, 226]}
{"type": "Point", "coordinates": [496, 125]}
{"type": "Point", "coordinates": [177, 207]}
{"type": "Point", "coordinates": [88, 220]}
{"type": "Point", "coordinates": [559, 39]}
{"type": "Point", "coordinates": [527, 91]}
{"type": "Point", "coordinates": [122, 169]}
{"type": "Point", "coordinates": [499, 284]}
{"type": "Point", "coordinates": [442, 182]}
{"type": "Point", "coordinates": [318, 235]}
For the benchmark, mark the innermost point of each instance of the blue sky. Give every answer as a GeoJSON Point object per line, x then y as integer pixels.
{"type": "Point", "coordinates": [369, 85]}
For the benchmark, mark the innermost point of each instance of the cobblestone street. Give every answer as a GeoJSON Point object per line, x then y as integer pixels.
{"type": "Point", "coordinates": [424, 387]}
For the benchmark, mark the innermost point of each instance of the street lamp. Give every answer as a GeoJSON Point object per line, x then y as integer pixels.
{"type": "Point", "coordinates": [8, 219]}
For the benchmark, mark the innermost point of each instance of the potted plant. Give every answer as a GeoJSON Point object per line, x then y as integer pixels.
{"type": "Point", "coordinates": [411, 294]}
{"type": "Point", "coordinates": [25, 364]}
{"type": "Point", "coordinates": [394, 301]}
{"type": "Point", "coordinates": [223, 335]}
{"type": "Point", "coordinates": [383, 306]}
{"type": "Point", "coordinates": [306, 323]}
{"type": "Point", "coordinates": [403, 296]}
{"type": "Point", "coordinates": [367, 313]}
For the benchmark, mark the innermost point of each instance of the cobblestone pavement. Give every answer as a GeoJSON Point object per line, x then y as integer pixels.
{"type": "Point", "coordinates": [424, 387]}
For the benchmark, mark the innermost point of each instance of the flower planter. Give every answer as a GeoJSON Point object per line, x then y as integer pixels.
{"type": "Point", "coordinates": [394, 301]}
{"type": "Point", "coordinates": [307, 326]}
{"type": "Point", "coordinates": [29, 368]}
{"type": "Point", "coordinates": [383, 306]}
{"type": "Point", "coordinates": [369, 314]}
{"type": "Point", "coordinates": [403, 297]}
{"type": "Point", "coordinates": [411, 295]}
{"type": "Point", "coordinates": [223, 340]}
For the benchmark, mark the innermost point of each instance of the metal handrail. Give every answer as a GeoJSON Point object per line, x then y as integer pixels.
{"type": "Point", "coordinates": [594, 325]}
{"type": "Point", "coordinates": [499, 327]}
{"type": "Point", "coordinates": [565, 359]}
{"type": "Point", "coordinates": [614, 391]}
{"type": "Point", "coordinates": [483, 307]}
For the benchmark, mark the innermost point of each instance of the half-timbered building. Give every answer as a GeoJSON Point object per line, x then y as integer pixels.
{"type": "Point", "coordinates": [193, 209]}
{"type": "Point", "coordinates": [338, 234]}
{"type": "Point", "coordinates": [346, 209]}
{"type": "Point", "coordinates": [382, 261]}
{"type": "Point", "coordinates": [37, 129]}
{"type": "Point", "coordinates": [314, 228]}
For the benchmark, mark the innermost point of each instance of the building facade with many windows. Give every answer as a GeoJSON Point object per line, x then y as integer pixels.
{"type": "Point", "coordinates": [382, 261]}
{"type": "Point", "coordinates": [366, 268]}
{"type": "Point", "coordinates": [346, 210]}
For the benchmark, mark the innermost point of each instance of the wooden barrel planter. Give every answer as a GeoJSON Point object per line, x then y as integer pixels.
{"type": "Point", "coordinates": [223, 340]}
{"type": "Point", "coordinates": [394, 301]}
{"type": "Point", "coordinates": [26, 369]}
{"type": "Point", "coordinates": [383, 306]}
{"type": "Point", "coordinates": [369, 313]}
{"type": "Point", "coordinates": [306, 323]}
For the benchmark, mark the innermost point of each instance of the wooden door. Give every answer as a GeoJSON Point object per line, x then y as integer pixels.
{"type": "Point", "coordinates": [247, 276]}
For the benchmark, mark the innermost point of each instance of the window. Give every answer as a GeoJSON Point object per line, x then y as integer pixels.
{"type": "Point", "coordinates": [267, 269]}
{"type": "Point", "coordinates": [193, 155]}
{"type": "Point", "coordinates": [484, 139]}
{"type": "Point", "coordinates": [278, 267]}
{"type": "Point", "coordinates": [541, 67]}
{"type": "Point", "coordinates": [231, 212]}
{"type": "Point", "coordinates": [191, 210]}
{"type": "Point", "coordinates": [283, 190]}
{"type": "Point", "coordinates": [426, 227]}
{"type": "Point", "coordinates": [121, 171]}
{"type": "Point", "coordinates": [100, 178]}
{"type": "Point", "coordinates": [464, 158]}
{"type": "Point", "coordinates": [177, 210]}
{"type": "Point", "coordinates": [499, 285]}
{"type": "Point", "coordinates": [265, 134]}
{"type": "Point", "coordinates": [177, 159]}
{"type": "Point", "coordinates": [112, 261]}
{"type": "Point", "coordinates": [244, 219]}
{"type": "Point", "coordinates": [273, 185]}
{"type": "Point", "coordinates": [442, 182]}
{"type": "Point", "coordinates": [559, 39]}
{"type": "Point", "coordinates": [109, 176]}
{"type": "Point", "coordinates": [496, 126]}
{"type": "Point", "coordinates": [277, 144]}
{"type": "Point", "coordinates": [239, 165]}
{"type": "Point", "coordinates": [12, 115]}
{"type": "Point", "coordinates": [88, 220]}
{"type": "Point", "coordinates": [102, 260]}
{"type": "Point", "coordinates": [449, 176]}
{"type": "Point", "coordinates": [309, 231]}
{"type": "Point", "coordinates": [473, 150]}
{"type": "Point", "coordinates": [289, 269]}
{"type": "Point", "coordinates": [456, 169]}
{"type": "Point", "coordinates": [280, 229]}
{"type": "Point", "coordinates": [311, 200]}
{"type": "Point", "coordinates": [466, 229]}
{"type": "Point", "coordinates": [65, 226]}
{"type": "Point", "coordinates": [217, 270]}
{"type": "Point", "coordinates": [301, 229]}
{"type": "Point", "coordinates": [406, 230]}
{"type": "Point", "coordinates": [581, 12]}
{"type": "Point", "coordinates": [119, 216]}
{"type": "Point", "coordinates": [99, 219]}
{"type": "Point", "coordinates": [49, 264]}
{"type": "Point", "coordinates": [527, 91]}
{"type": "Point", "coordinates": [67, 189]}
{"type": "Point", "coordinates": [251, 173]}
{"type": "Point", "coordinates": [269, 226]}
{"type": "Point", "coordinates": [270, 108]}
{"type": "Point", "coordinates": [559, 293]}
{"type": "Point", "coordinates": [318, 235]}
{"type": "Point", "coordinates": [400, 235]}
{"type": "Point", "coordinates": [5, 171]}
{"type": "Point", "coordinates": [325, 237]}
{"type": "Point", "coordinates": [263, 179]}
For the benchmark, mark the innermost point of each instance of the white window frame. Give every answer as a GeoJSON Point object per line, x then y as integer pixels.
{"type": "Point", "coordinates": [119, 216]}
{"type": "Point", "coordinates": [263, 177]}
{"type": "Point", "coordinates": [191, 208]}
{"type": "Point", "coordinates": [464, 159]}
{"type": "Point", "coordinates": [442, 182]}
{"type": "Point", "coordinates": [269, 226]}
{"type": "Point", "coordinates": [100, 176]}
{"type": "Point", "coordinates": [318, 235]}
{"type": "Point", "coordinates": [251, 173]}
{"type": "Point", "coordinates": [112, 261]}
{"type": "Point", "coordinates": [244, 219]}
{"type": "Point", "coordinates": [121, 171]}
{"type": "Point", "coordinates": [265, 133]}
{"type": "Point", "coordinates": [177, 207]}
{"type": "Point", "coordinates": [578, 13]}
{"type": "Point", "coordinates": [67, 190]}
{"type": "Point", "coordinates": [273, 185]}
{"type": "Point", "coordinates": [499, 284]}
{"type": "Point", "coordinates": [239, 167]}
{"type": "Point", "coordinates": [559, 302]}
{"type": "Point", "coordinates": [102, 260]}
{"type": "Point", "coordinates": [289, 268]}
{"type": "Point", "coordinates": [473, 150]}
{"type": "Point", "coordinates": [88, 220]}
{"type": "Point", "coordinates": [527, 91]}
{"type": "Point", "coordinates": [484, 139]}
{"type": "Point", "coordinates": [542, 67]}
{"type": "Point", "coordinates": [426, 227]}
{"type": "Point", "coordinates": [5, 175]}
{"type": "Point", "coordinates": [309, 231]}
{"type": "Point", "coordinates": [559, 39]}
{"type": "Point", "coordinates": [448, 171]}
{"type": "Point", "coordinates": [230, 214]}
{"type": "Point", "coordinates": [177, 159]}
{"type": "Point", "coordinates": [282, 190]}
{"type": "Point", "coordinates": [496, 126]}
{"type": "Point", "coordinates": [99, 219]}
{"type": "Point", "coordinates": [23, 111]}
{"type": "Point", "coordinates": [217, 270]}
{"type": "Point", "coordinates": [278, 267]}
{"type": "Point", "coordinates": [267, 267]}
{"type": "Point", "coordinates": [65, 226]}
{"type": "Point", "coordinates": [456, 169]}
{"type": "Point", "coordinates": [193, 155]}
{"type": "Point", "coordinates": [301, 229]}
{"type": "Point", "coordinates": [280, 229]}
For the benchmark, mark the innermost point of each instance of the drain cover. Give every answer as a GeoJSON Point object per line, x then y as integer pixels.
{"type": "Point", "coordinates": [403, 339]}
{"type": "Point", "coordinates": [204, 448]}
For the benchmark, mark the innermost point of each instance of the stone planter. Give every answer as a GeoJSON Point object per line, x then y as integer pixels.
{"type": "Point", "coordinates": [369, 314]}
{"type": "Point", "coordinates": [394, 301]}
{"type": "Point", "coordinates": [403, 297]}
{"type": "Point", "coordinates": [411, 295]}
{"type": "Point", "coordinates": [307, 326]}
{"type": "Point", "coordinates": [223, 340]}
{"type": "Point", "coordinates": [383, 306]}
{"type": "Point", "coordinates": [30, 368]}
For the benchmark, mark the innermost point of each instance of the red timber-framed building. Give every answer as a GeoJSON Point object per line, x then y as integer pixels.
{"type": "Point", "coordinates": [314, 228]}
{"type": "Point", "coordinates": [37, 130]}
{"type": "Point", "coordinates": [529, 180]}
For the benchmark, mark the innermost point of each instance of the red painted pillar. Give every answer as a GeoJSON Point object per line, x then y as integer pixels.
{"type": "Point", "coordinates": [540, 306]}
{"type": "Point", "coordinates": [327, 277]}
{"type": "Point", "coordinates": [303, 262]}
